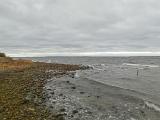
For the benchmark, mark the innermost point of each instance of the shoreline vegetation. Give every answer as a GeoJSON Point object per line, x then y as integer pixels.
{"type": "Point", "coordinates": [21, 88]}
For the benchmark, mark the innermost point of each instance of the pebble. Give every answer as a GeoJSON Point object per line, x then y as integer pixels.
{"type": "Point", "coordinates": [62, 110]}
{"type": "Point", "coordinates": [73, 87]}
{"type": "Point", "coordinates": [82, 92]}
{"type": "Point", "coordinates": [75, 111]}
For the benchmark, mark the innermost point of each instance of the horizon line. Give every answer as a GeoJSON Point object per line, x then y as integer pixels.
{"type": "Point", "coordinates": [92, 54]}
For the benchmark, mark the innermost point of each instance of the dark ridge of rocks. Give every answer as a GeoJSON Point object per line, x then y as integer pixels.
{"type": "Point", "coordinates": [83, 67]}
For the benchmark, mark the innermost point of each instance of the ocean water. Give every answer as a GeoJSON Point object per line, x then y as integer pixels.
{"type": "Point", "coordinates": [140, 74]}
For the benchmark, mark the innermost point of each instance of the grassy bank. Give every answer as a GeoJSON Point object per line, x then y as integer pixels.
{"type": "Point", "coordinates": [21, 86]}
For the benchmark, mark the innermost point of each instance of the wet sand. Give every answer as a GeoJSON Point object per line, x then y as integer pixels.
{"type": "Point", "coordinates": [84, 99]}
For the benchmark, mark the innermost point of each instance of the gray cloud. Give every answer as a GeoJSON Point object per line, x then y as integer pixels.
{"type": "Point", "coordinates": [61, 26]}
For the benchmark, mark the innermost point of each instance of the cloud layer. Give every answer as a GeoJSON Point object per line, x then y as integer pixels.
{"type": "Point", "coordinates": [76, 26]}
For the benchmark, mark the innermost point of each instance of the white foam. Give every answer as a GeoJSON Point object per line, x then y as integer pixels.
{"type": "Point", "coordinates": [140, 65]}
{"type": "Point", "coordinates": [49, 61]}
{"type": "Point", "coordinates": [153, 106]}
{"type": "Point", "coordinates": [99, 67]}
{"type": "Point", "coordinates": [76, 75]}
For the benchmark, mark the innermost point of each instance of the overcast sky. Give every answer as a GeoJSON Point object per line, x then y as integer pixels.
{"type": "Point", "coordinates": [61, 27]}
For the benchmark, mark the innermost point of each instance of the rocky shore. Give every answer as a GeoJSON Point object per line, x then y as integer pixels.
{"type": "Point", "coordinates": [21, 88]}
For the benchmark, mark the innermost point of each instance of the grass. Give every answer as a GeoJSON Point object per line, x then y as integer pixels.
{"type": "Point", "coordinates": [14, 64]}
{"type": "Point", "coordinates": [21, 87]}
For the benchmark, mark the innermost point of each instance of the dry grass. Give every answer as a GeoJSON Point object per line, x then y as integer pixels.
{"type": "Point", "coordinates": [9, 64]}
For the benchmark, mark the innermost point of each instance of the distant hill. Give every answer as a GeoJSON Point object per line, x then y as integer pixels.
{"type": "Point", "coordinates": [2, 55]}
{"type": "Point", "coordinates": [4, 58]}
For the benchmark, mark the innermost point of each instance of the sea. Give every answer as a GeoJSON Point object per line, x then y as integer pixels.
{"type": "Point", "coordinates": [139, 73]}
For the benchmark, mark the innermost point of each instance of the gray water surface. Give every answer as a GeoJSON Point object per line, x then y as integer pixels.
{"type": "Point", "coordinates": [141, 74]}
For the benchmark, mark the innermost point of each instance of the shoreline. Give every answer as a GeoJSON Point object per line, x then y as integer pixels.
{"type": "Point", "coordinates": [51, 91]}
{"type": "Point", "coordinates": [92, 100]}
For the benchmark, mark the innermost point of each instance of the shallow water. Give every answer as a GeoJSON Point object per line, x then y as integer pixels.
{"type": "Point", "coordinates": [141, 74]}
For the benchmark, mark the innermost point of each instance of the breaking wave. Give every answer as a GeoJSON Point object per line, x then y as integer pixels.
{"type": "Point", "coordinates": [152, 106]}
{"type": "Point", "coordinates": [140, 65]}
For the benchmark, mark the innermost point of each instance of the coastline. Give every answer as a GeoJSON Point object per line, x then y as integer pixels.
{"type": "Point", "coordinates": [38, 90]}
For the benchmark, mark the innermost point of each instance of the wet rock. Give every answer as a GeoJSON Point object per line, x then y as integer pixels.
{"type": "Point", "coordinates": [60, 94]}
{"type": "Point", "coordinates": [98, 96]}
{"type": "Point", "coordinates": [73, 87]}
{"type": "Point", "coordinates": [59, 117]}
{"type": "Point", "coordinates": [49, 89]}
{"type": "Point", "coordinates": [72, 74]}
{"type": "Point", "coordinates": [67, 82]}
{"type": "Point", "coordinates": [62, 110]}
{"type": "Point", "coordinates": [75, 111]}
{"type": "Point", "coordinates": [82, 67]}
{"type": "Point", "coordinates": [52, 93]}
{"type": "Point", "coordinates": [89, 112]}
{"type": "Point", "coordinates": [142, 112]}
{"type": "Point", "coordinates": [43, 97]}
{"type": "Point", "coordinates": [82, 92]}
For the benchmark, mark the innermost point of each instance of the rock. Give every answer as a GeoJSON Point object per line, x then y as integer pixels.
{"type": "Point", "coordinates": [98, 96]}
{"type": "Point", "coordinates": [62, 110]}
{"type": "Point", "coordinates": [52, 92]}
{"type": "Point", "coordinates": [24, 101]}
{"type": "Point", "coordinates": [75, 111]}
{"type": "Point", "coordinates": [82, 67]}
{"type": "Point", "coordinates": [67, 82]}
{"type": "Point", "coordinates": [73, 87]}
{"type": "Point", "coordinates": [59, 117]}
{"type": "Point", "coordinates": [72, 74]}
{"type": "Point", "coordinates": [31, 109]}
{"type": "Point", "coordinates": [1, 109]}
{"type": "Point", "coordinates": [29, 96]}
{"type": "Point", "coordinates": [82, 92]}
{"type": "Point", "coordinates": [89, 112]}
{"type": "Point", "coordinates": [60, 94]}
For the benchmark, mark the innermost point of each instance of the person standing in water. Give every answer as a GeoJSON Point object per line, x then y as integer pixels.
{"type": "Point", "coordinates": [137, 72]}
